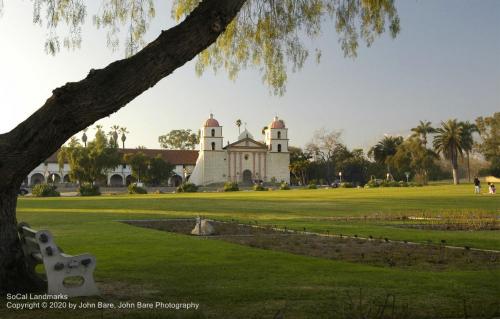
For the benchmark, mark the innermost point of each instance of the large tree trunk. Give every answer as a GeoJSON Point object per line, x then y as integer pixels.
{"type": "Point", "coordinates": [468, 166]}
{"type": "Point", "coordinates": [454, 170]}
{"type": "Point", "coordinates": [456, 180]}
{"type": "Point", "coordinates": [14, 275]}
{"type": "Point", "coordinates": [77, 105]}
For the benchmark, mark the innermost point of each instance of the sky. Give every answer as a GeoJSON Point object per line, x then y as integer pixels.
{"type": "Point", "coordinates": [443, 64]}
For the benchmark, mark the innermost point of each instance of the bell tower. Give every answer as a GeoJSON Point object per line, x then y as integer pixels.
{"type": "Point", "coordinates": [211, 135]}
{"type": "Point", "coordinates": [277, 136]}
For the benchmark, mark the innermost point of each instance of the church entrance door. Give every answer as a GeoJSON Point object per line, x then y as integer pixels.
{"type": "Point", "coordinates": [247, 177]}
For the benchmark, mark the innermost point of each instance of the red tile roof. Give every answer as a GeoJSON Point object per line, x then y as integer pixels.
{"type": "Point", "coordinates": [176, 157]}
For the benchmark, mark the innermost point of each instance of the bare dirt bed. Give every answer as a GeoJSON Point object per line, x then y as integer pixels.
{"type": "Point", "coordinates": [377, 252]}
{"type": "Point", "coordinates": [460, 226]}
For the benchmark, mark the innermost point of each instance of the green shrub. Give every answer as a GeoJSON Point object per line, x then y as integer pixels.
{"type": "Point", "coordinates": [259, 187]}
{"type": "Point", "coordinates": [346, 185]}
{"type": "Point", "coordinates": [284, 186]}
{"type": "Point", "coordinates": [403, 184]}
{"type": "Point", "coordinates": [389, 184]}
{"type": "Point", "coordinates": [45, 190]}
{"type": "Point", "coordinates": [134, 189]}
{"type": "Point", "coordinates": [187, 188]}
{"type": "Point", "coordinates": [312, 186]}
{"type": "Point", "coordinates": [231, 187]}
{"type": "Point", "coordinates": [394, 184]}
{"type": "Point", "coordinates": [87, 189]}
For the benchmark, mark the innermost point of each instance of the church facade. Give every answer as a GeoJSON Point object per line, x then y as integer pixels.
{"type": "Point", "coordinates": [245, 161]}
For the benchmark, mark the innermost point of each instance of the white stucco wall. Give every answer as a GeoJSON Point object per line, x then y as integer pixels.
{"type": "Point", "coordinates": [53, 168]}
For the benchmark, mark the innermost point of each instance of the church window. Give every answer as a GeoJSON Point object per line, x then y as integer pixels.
{"type": "Point", "coordinates": [213, 146]}
{"type": "Point", "coordinates": [246, 156]}
{"type": "Point", "coordinates": [279, 148]}
{"type": "Point", "coordinates": [213, 132]}
{"type": "Point", "coordinates": [279, 134]}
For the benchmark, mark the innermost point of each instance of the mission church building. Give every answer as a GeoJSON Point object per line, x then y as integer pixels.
{"type": "Point", "coordinates": [244, 161]}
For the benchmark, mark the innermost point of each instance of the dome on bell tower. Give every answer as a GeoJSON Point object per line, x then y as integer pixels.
{"type": "Point", "coordinates": [211, 122]}
{"type": "Point", "coordinates": [277, 123]}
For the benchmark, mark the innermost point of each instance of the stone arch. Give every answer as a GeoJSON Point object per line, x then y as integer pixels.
{"type": "Point", "coordinates": [116, 180]}
{"type": "Point", "coordinates": [213, 146]}
{"type": "Point", "coordinates": [279, 148]}
{"type": "Point", "coordinates": [213, 132]}
{"type": "Point", "coordinates": [37, 178]}
{"type": "Point", "coordinates": [247, 176]}
{"type": "Point", "coordinates": [279, 134]}
{"type": "Point", "coordinates": [66, 179]}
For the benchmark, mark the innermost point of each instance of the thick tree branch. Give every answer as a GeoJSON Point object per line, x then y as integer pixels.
{"type": "Point", "coordinates": [77, 105]}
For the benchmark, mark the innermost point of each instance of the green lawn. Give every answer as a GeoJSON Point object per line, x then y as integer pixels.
{"type": "Point", "coordinates": [232, 281]}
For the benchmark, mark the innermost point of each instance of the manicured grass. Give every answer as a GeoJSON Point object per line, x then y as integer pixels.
{"type": "Point", "coordinates": [233, 281]}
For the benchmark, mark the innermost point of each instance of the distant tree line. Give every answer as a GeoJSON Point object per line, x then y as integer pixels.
{"type": "Point", "coordinates": [326, 159]}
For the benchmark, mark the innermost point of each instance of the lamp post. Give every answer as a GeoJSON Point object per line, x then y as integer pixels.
{"type": "Point", "coordinates": [388, 175]}
{"type": "Point", "coordinates": [407, 176]}
{"type": "Point", "coordinates": [340, 177]}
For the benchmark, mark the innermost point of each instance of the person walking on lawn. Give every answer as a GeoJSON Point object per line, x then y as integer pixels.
{"type": "Point", "coordinates": [477, 185]}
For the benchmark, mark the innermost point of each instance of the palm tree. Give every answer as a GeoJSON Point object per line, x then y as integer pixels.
{"type": "Point", "coordinates": [468, 130]}
{"type": "Point", "coordinates": [98, 127]}
{"type": "Point", "coordinates": [114, 134]}
{"type": "Point", "coordinates": [422, 130]}
{"type": "Point", "coordinates": [385, 149]}
{"type": "Point", "coordinates": [264, 129]}
{"type": "Point", "coordinates": [448, 141]}
{"type": "Point", "coordinates": [124, 131]}
{"type": "Point", "coordinates": [238, 124]}
{"type": "Point", "coordinates": [84, 136]}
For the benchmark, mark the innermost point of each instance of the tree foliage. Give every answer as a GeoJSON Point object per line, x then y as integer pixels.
{"type": "Point", "coordinates": [159, 171]}
{"type": "Point", "coordinates": [153, 171]}
{"type": "Point", "coordinates": [299, 164]}
{"type": "Point", "coordinates": [489, 130]}
{"type": "Point", "coordinates": [179, 140]}
{"type": "Point", "coordinates": [468, 130]}
{"type": "Point", "coordinates": [422, 130]}
{"type": "Point", "coordinates": [91, 163]}
{"type": "Point", "coordinates": [132, 15]}
{"type": "Point", "coordinates": [138, 163]}
{"type": "Point", "coordinates": [412, 156]}
{"type": "Point", "coordinates": [267, 35]}
{"type": "Point", "coordinates": [322, 148]}
{"type": "Point", "coordinates": [385, 149]}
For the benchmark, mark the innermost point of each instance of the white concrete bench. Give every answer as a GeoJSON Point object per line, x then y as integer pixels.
{"type": "Point", "coordinates": [66, 274]}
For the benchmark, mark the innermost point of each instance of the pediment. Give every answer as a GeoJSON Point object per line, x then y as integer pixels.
{"type": "Point", "coordinates": [246, 143]}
